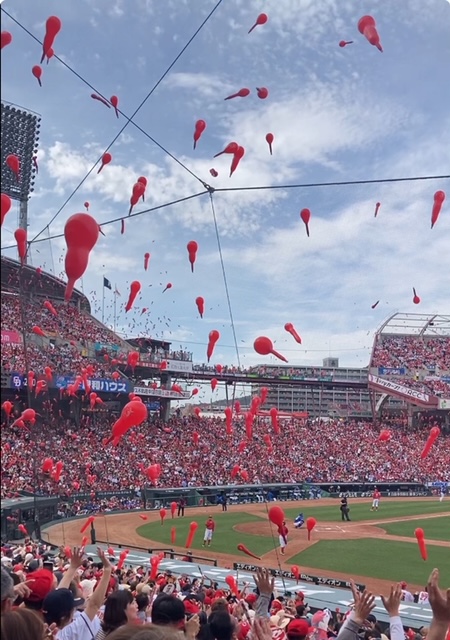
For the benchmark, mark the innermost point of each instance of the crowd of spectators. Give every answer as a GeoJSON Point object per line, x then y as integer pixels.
{"type": "Point", "coordinates": [69, 323]}
{"type": "Point", "coordinates": [326, 451]}
{"type": "Point", "coordinates": [77, 596]}
{"type": "Point", "coordinates": [413, 353]}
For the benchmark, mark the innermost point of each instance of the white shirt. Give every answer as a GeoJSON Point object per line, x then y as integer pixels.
{"type": "Point", "coordinates": [81, 628]}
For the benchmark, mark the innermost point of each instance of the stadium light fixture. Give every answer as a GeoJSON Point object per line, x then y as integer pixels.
{"type": "Point", "coordinates": [20, 137]}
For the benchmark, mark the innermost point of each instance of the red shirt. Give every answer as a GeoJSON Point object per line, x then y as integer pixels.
{"type": "Point", "coordinates": [210, 524]}
{"type": "Point", "coordinates": [376, 495]}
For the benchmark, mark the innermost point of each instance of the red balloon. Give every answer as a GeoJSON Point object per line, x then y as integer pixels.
{"type": "Point", "coordinates": [214, 383]}
{"type": "Point", "coordinates": [416, 299]}
{"type": "Point", "coordinates": [385, 435]}
{"type": "Point", "coordinates": [232, 147]}
{"type": "Point", "coordinates": [310, 524]}
{"type": "Point", "coordinates": [146, 260]}
{"type": "Point", "coordinates": [305, 215]}
{"type": "Point", "coordinates": [135, 287]}
{"type": "Point", "coordinates": [138, 192]}
{"type": "Point", "coordinates": [192, 248]}
{"type": "Point", "coordinates": [197, 412]}
{"type": "Point", "coordinates": [200, 126]}
{"type": "Point", "coordinates": [6, 39]}
{"type": "Point", "coordinates": [5, 206]}
{"type": "Point", "coordinates": [295, 572]}
{"type": "Point", "coordinates": [21, 239]}
{"type": "Point", "coordinates": [237, 406]}
{"type": "Point", "coordinates": [260, 20]}
{"type": "Point", "coordinates": [377, 208]}
{"type": "Point", "coordinates": [276, 516]}
{"type": "Point", "coordinates": [262, 92]}
{"type": "Point", "coordinates": [289, 327]}
{"type": "Point", "coordinates": [190, 538]}
{"type": "Point", "coordinates": [133, 414]}
{"type": "Point", "coordinates": [264, 347]}
{"type": "Point", "coordinates": [420, 537]}
{"type": "Point", "coordinates": [13, 163]}
{"type": "Point", "coordinates": [94, 96]}
{"type": "Point", "coordinates": [214, 173]}
{"type": "Point", "coordinates": [162, 514]}
{"type": "Point", "coordinates": [114, 100]}
{"type": "Point", "coordinates": [50, 54]}
{"type": "Point", "coordinates": [344, 43]}
{"type": "Point", "coordinates": [86, 204]}
{"type": "Point", "coordinates": [434, 435]}
{"type": "Point", "coordinates": [367, 27]}
{"type": "Point", "coordinates": [106, 159]}
{"type": "Point", "coordinates": [214, 336]}
{"type": "Point", "coordinates": [274, 418]}
{"type": "Point", "coordinates": [37, 72]}
{"type": "Point", "coordinates": [81, 235]}
{"type": "Point", "coordinates": [200, 302]}
{"type": "Point", "coordinates": [52, 28]}
{"type": "Point", "coordinates": [269, 139]}
{"type": "Point", "coordinates": [242, 93]}
{"type": "Point", "coordinates": [439, 198]}
{"type": "Point", "coordinates": [173, 508]}
{"type": "Point", "coordinates": [168, 286]}
{"type": "Point", "coordinates": [236, 159]}
{"type": "Point", "coordinates": [228, 417]}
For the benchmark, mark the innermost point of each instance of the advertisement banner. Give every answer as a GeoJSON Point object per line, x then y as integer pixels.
{"type": "Point", "coordinates": [148, 365]}
{"type": "Point", "coordinates": [99, 346]}
{"type": "Point", "coordinates": [303, 577]}
{"type": "Point", "coordinates": [19, 381]}
{"type": "Point", "coordinates": [179, 366]}
{"type": "Point", "coordinates": [391, 371]}
{"type": "Point", "coordinates": [11, 337]}
{"type": "Point", "coordinates": [389, 386]}
{"type": "Point", "coordinates": [161, 393]}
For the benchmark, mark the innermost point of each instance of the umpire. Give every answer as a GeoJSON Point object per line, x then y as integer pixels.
{"type": "Point", "coordinates": [345, 509]}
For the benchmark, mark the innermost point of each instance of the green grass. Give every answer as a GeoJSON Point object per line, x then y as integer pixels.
{"type": "Point", "coordinates": [390, 508]}
{"type": "Point", "coordinates": [376, 558]}
{"type": "Point", "coordinates": [435, 528]}
{"type": "Point", "coordinates": [225, 539]}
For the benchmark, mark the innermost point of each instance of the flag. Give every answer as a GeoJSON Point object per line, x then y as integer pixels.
{"type": "Point", "coordinates": [107, 284]}
{"type": "Point", "coordinates": [116, 291]}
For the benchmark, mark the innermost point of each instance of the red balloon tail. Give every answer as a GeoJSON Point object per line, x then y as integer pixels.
{"type": "Point", "coordinates": [307, 230]}
{"type": "Point", "coordinates": [100, 169]}
{"type": "Point", "coordinates": [40, 83]}
{"type": "Point", "coordinates": [254, 27]}
{"type": "Point", "coordinates": [278, 355]}
{"type": "Point", "coordinates": [309, 535]}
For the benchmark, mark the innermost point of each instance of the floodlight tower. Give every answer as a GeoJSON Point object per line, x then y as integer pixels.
{"type": "Point", "coordinates": [19, 137]}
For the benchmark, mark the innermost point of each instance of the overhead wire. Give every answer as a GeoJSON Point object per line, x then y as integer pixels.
{"type": "Point", "coordinates": [129, 119]}
{"type": "Point", "coordinates": [343, 183]}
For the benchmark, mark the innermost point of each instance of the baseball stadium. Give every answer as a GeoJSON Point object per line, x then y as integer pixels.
{"type": "Point", "coordinates": [218, 476]}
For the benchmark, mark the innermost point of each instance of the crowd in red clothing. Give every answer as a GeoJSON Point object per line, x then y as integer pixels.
{"type": "Point", "coordinates": [413, 353]}
{"type": "Point", "coordinates": [334, 451]}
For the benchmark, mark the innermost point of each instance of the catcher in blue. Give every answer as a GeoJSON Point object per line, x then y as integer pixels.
{"type": "Point", "coordinates": [299, 521]}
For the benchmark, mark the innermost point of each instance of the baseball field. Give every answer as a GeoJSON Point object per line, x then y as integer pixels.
{"type": "Point", "coordinates": [376, 547]}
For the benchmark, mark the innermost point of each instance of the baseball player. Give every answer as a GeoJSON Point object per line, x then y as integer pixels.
{"type": "Point", "coordinates": [209, 530]}
{"type": "Point", "coordinates": [282, 537]}
{"type": "Point", "coordinates": [375, 500]}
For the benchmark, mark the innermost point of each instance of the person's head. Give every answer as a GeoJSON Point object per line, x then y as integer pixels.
{"type": "Point", "coordinates": [222, 625]}
{"type": "Point", "coordinates": [21, 624]}
{"type": "Point", "coordinates": [168, 610]}
{"type": "Point", "coordinates": [297, 629]}
{"type": "Point", "coordinates": [300, 610]}
{"type": "Point", "coordinates": [143, 632]}
{"type": "Point", "coordinates": [7, 590]}
{"type": "Point", "coordinates": [40, 582]}
{"type": "Point", "coordinates": [142, 601]}
{"type": "Point", "coordinates": [371, 619]}
{"type": "Point", "coordinates": [59, 607]}
{"type": "Point", "coordinates": [120, 608]}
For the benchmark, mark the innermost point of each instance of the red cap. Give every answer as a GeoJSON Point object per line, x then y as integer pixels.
{"type": "Point", "coordinates": [298, 627]}
{"type": "Point", "coordinates": [276, 605]}
{"type": "Point", "coordinates": [40, 583]}
{"type": "Point", "coordinates": [251, 598]}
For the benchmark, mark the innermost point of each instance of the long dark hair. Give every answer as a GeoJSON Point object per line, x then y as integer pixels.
{"type": "Point", "coordinates": [116, 610]}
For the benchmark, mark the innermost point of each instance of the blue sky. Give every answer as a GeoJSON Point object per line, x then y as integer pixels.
{"type": "Point", "coordinates": [336, 114]}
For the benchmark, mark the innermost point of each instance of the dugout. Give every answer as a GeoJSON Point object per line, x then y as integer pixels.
{"type": "Point", "coordinates": [155, 497]}
{"type": "Point", "coordinates": [30, 511]}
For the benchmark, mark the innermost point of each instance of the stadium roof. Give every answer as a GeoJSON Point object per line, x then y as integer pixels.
{"type": "Point", "coordinates": [417, 324]}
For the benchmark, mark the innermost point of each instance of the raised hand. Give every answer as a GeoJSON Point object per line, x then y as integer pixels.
{"type": "Point", "coordinates": [264, 581]}
{"type": "Point", "coordinates": [392, 602]}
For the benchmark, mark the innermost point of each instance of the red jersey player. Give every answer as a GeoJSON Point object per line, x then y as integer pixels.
{"type": "Point", "coordinates": [375, 500]}
{"type": "Point", "coordinates": [210, 525]}
{"type": "Point", "coordinates": [282, 536]}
